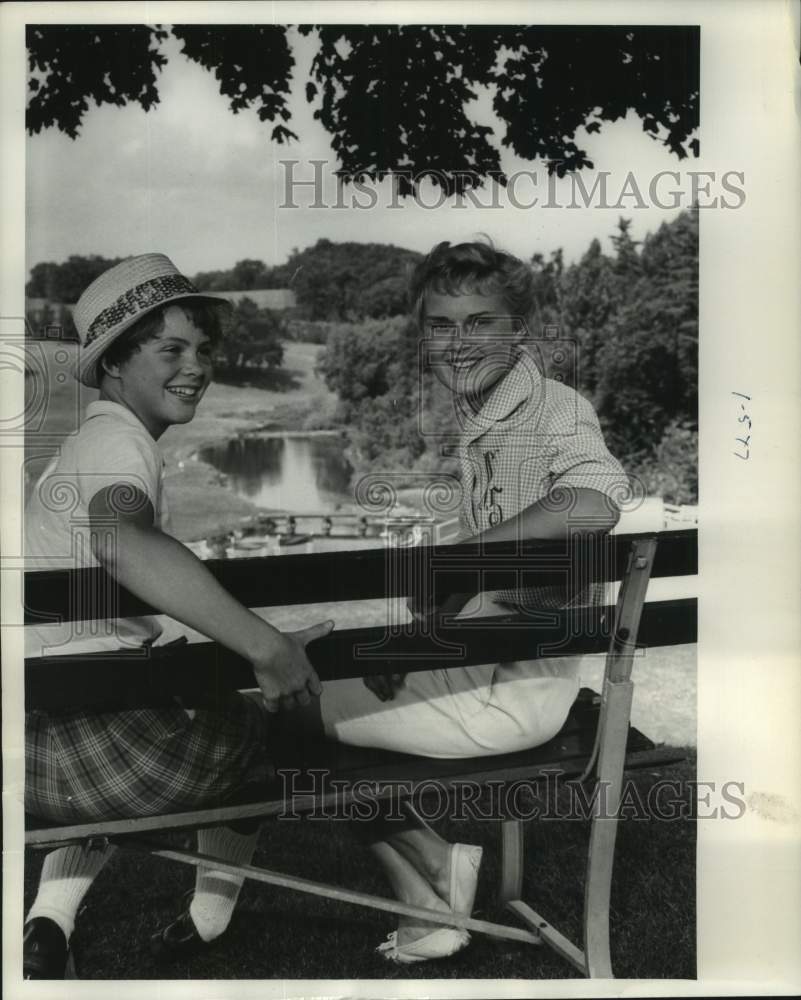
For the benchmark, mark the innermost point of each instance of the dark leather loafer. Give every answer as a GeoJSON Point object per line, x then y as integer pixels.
{"type": "Point", "coordinates": [180, 938]}
{"type": "Point", "coordinates": [177, 939]}
{"type": "Point", "coordinates": [44, 950]}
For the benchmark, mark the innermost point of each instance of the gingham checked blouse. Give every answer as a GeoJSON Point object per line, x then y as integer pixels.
{"type": "Point", "coordinates": [533, 436]}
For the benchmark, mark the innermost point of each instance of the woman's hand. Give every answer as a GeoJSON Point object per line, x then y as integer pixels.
{"type": "Point", "coordinates": [283, 672]}
{"type": "Point", "coordinates": [418, 610]}
{"type": "Point", "coordinates": [450, 605]}
{"type": "Point", "coordinates": [384, 686]}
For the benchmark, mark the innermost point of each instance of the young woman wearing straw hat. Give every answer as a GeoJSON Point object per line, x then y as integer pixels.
{"type": "Point", "coordinates": [146, 340]}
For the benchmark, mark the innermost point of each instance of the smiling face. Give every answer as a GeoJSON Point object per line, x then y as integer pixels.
{"type": "Point", "coordinates": [163, 381]}
{"type": "Point", "coordinates": [472, 340]}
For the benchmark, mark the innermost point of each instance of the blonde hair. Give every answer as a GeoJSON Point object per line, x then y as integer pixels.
{"type": "Point", "coordinates": [473, 267]}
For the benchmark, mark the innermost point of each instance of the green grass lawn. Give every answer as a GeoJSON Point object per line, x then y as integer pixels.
{"type": "Point", "coordinates": [277, 934]}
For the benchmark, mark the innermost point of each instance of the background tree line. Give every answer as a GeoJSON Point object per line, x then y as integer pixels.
{"type": "Point", "coordinates": [633, 315]}
{"type": "Point", "coordinates": [332, 282]}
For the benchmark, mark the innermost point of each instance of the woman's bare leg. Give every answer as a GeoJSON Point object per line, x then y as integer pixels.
{"type": "Point", "coordinates": [409, 887]}
{"type": "Point", "coordinates": [428, 853]}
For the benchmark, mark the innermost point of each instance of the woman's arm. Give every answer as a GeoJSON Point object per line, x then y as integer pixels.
{"type": "Point", "coordinates": [163, 572]}
{"type": "Point", "coordinates": [590, 513]}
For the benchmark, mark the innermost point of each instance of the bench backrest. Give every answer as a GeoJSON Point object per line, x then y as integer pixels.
{"type": "Point", "coordinates": [200, 671]}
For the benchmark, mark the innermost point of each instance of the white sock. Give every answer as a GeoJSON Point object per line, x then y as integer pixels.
{"type": "Point", "coordinates": [216, 892]}
{"type": "Point", "coordinates": [66, 877]}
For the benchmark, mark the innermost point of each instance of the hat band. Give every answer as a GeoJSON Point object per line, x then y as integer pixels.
{"type": "Point", "coordinates": [138, 299]}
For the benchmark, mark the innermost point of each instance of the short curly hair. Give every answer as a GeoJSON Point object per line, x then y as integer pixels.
{"type": "Point", "coordinates": [474, 268]}
{"type": "Point", "coordinates": [205, 315]}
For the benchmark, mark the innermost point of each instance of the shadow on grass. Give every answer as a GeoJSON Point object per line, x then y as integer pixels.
{"type": "Point", "coordinates": [278, 934]}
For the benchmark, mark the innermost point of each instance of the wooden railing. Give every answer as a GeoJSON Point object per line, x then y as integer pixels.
{"type": "Point", "coordinates": [200, 670]}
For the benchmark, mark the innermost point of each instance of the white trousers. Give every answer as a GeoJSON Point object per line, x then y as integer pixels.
{"type": "Point", "coordinates": [475, 711]}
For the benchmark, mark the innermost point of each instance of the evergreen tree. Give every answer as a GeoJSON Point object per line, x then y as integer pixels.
{"type": "Point", "coordinates": [548, 289]}
{"type": "Point", "coordinates": [589, 296]}
{"type": "Point", "coordinates": [647, 365]}
{"type": "Point", "coordinates": [627, 263]}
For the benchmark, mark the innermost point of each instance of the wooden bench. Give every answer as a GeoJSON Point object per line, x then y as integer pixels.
{"type": "Point", "coordinates": [597, 738]}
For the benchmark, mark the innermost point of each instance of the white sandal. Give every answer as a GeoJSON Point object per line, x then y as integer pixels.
{"type": "Point", "coordinates": [440, 943]}
{"type": "Point", "coordinates": [465, 862]}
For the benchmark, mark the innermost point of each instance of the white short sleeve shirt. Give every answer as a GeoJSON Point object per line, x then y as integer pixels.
{"type": "Point", "coordinates": [111, 447]}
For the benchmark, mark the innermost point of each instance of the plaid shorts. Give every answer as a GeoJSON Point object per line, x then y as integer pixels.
{"type": "Point", "coordinates": [82, 766]}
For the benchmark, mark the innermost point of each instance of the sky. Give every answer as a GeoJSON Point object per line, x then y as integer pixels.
{"type": "Point", "coordinates": [205, 186]}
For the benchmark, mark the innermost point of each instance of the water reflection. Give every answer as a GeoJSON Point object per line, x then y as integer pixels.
{"type": "Point", "coordinates": [300, 474]}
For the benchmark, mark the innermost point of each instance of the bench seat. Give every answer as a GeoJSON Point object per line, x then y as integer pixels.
{"type": "Point", "coordinates": [566, 754]}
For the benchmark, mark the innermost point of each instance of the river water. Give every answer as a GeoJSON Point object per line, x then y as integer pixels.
{"type": "Point", "coordinates": [301, 474]}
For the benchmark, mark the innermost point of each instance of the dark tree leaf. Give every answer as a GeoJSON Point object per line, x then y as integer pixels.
{"type": "Point", "coordinates": [281, 134]}
{"type": "Point", "coordinates": [556, 78]}
{"type": "Point", "coordinates": [108, 64]}
{"type": "Point", "coordinates": [394, 103]}
{"type": "Point", "coordinates": [252, 62]}
{"type": "Point", "coordinates": [398, 99]}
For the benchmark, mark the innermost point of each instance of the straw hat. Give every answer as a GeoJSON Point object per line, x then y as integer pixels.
{"type": "Point", "coordinates": [121, 296]}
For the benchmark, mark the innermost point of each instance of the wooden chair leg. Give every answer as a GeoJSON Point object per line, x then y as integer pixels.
{"type": "Point", "coordinates": [600, 861]}
{"type": "Point", "coordinates": [511, 883]}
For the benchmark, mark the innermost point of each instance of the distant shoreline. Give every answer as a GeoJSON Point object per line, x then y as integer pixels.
{"type": "Point", "coordinates": [278, 432]}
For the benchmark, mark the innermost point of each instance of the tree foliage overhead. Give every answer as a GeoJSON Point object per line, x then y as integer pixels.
{"type": "Point", "coordinates": [73, 63]}
{"type": "Point", "coordinates": [253, 64]}
{"type": "Point", "coordinates": [550, 82]}
{"type": "Point", "coordinates": [396, 99]}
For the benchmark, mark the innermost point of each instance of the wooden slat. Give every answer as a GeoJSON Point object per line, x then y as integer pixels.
{"type": "Point", "coordinates": [510, 883]}
{"type": "Point", "coordinates": [296, 884]}
{"type": "Point", "coordinates": [550, 935]}
{"type": "Point", "coordinates": [393, 774]}
{"type": "Point", "coordinates": [51, 595]}
{"type": "Point", "coordinates": [44, 836]}
{"type": "Point", "coordinates": [201, 672]}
